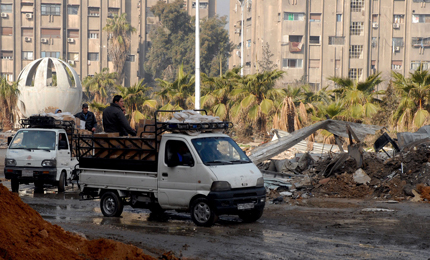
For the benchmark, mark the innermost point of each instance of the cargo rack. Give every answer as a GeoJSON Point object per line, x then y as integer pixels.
{"type": "Point", "coordinates": [46, 122]}
{"type": "Point", "coordinates": [135, 153]}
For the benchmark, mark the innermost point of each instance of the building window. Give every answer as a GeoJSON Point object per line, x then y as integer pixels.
{"type": "Point", "coordinates": [416, 64]}
{"type": "Point", "coordinates": [336, 40]}
{"type": "Point", "coordinates": [248, 43]}
{"type": "Point", "coordinates": [356, 51]}
{"type": "Point", "coordinates": [6, 31]}
{"type": "Point", "coordinates": [131, 58]}
{"type": "Point", "coordinates": [27, 32]}
{"type": "Point", "coordinates": [421, 18]}
{"type": "Point", "coordinates": [339, 18]}
{"type": "Point", "coordinates": [315, 18]}
{"type": "Point", "coordinates": [51, 9]}
{"type": "Point", "coordinates": [73, 34]}
{"type": "Point", "coordinates": [398, 42]}
{"type": "Point", "coordinates": [27, 55]}
{"type": "Point", "coordinates": [7, 55]}
{"type": "Point", "coordinates": [314, 40]}
{"type": "Point", "coordinates": [112, 12]}
{"type": "Point", "coordinates": [374, 42]}
{"type": "Point", "coordinates": [294, 16]}
{"type": "Point", "coordinates": [149, 13]}
{"type": "Point", "coordinates": [203, 5]}
{"type": "Point", "coordinates": [93, 11]}
{"type": "Point", "coordinates": [73, 56]}
{"type": "Point", "coordinates": [357, 28]}
{"type": "Point", "coordinates": [73, 9]}
{"type": "Point", "coordinates": [248, 21]}
{"type": "Point", "coordinates": [52, 54]}
{"type": "Point", "coordinates": [292, 63]}
{"type": "Point", "coordinates": [93, 34]}
{"type": "Point", "coordinates": [419, 42]}
{"type": "Point", "coordinates": [399, 18]}
{"type": "Point", "coordinates": [357, 5]}
{"type": "Point", "coordinates": [93, 56]}
{"type": "Point", "coordinates": [51, 33]}
{"type": "Point", "coordinates": [7, 76]}
{"type": "Point", "coordinates": [396, 64]}
{"type": "Point", "coordinates": [355, 73]}
{"type": "Point", "coordinates": [6, 8]}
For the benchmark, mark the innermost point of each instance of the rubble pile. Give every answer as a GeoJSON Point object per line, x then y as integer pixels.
{"type": "Point", "coordinates": [25, 235]}
{"type": "Point", "coordinates": [404, 176]}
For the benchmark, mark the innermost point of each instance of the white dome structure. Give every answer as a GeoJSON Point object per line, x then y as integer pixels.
{"type": "Point", "coordinates": [49, 83]}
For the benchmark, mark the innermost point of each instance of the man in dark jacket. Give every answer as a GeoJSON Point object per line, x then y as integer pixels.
{"type": "Point", "coordinates": [114, 119]}
{"type": "Point", "coordinates": [88, 117]}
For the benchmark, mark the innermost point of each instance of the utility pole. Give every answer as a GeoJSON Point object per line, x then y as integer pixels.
{"type": "Point", "coordinates": [197, 58]}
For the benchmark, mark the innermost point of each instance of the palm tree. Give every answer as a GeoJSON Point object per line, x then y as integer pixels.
{"type": "Point", "coordinates": [217, 93]}
{"type": "Point", "coordinates": [177, 94]}
{"type": "Point", "coordinates": [414, 92]}
{"type": "Point", "coordinates": [119, 30]}
{"type": "Point", "coordinates": [9, 93]}
{"type": "Point", "coordinates": [256, 97]}
{"type": "Point", "coordinates": [98, 85]}
{"type": "Point", "coordinates": [135, 99]}
{"type": "Point", "coordinates": [359, 97]}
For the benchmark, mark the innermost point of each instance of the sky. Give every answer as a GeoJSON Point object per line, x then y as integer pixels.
{"type": "Point", "coordinates": [223, 8]}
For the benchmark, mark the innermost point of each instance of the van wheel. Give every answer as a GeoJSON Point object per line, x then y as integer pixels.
{"type": "Point", "coordinates": [251, 215]}
{"type": "Point", "coordinates": [14, 185]}
{"type": "Point", "coordinates": [62, 182]}
{"type": "Point", "coordinates": [202, 213]}
{"type": "Point", "coordinates": [111, 205]}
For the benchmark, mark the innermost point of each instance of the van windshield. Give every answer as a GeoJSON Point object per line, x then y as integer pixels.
{"type": "Point", "coordinates": [219, 150]}
{"type": "Point", "coordinates": [34, 140]}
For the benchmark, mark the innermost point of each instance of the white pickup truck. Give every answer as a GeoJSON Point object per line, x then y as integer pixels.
{"type": "Point", "coordinates": [40, 153]}
{"type": "Point", "coordinates": [206, 174]}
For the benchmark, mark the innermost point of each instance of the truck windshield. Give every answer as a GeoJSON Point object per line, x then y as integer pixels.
{"type": "Point", "coordinates": [34, 140]}
{"type": "Point", "coordinates": [219, 150]}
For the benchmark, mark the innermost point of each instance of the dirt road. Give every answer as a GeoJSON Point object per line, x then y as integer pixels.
{"type": "Point", "coordinates": [298, 229]}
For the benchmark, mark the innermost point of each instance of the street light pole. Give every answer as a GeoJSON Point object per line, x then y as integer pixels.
{"type": "Point", "coordinates": [197, 58]}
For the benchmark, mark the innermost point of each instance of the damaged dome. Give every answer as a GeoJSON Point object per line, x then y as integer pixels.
{"type": "Point", "coordinates": [48, 83]}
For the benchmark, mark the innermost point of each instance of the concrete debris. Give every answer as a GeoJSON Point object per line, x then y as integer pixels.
{"type": "Point", "coordinates": [286, 193]}
{"type": "Point", "coordinates": [377, 210]}
{"type": "Point", "coordinates": [417, 197]}
{"type": "Point", "coordinates": [361, 177]}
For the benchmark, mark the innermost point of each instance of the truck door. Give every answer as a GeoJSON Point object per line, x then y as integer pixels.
{"type": "Point", "coordinates": [177, 183]}
{"type": "Point", "coordinates": [63, 155]}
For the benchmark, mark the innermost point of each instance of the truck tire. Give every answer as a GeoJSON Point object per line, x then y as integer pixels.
{"type": "Point", "coordinates": [251, 215]}
{"type": "Point", "coordinates": [111, 204]}
{"type": "Point", "coordinates": [62, 182]}
{"type": "Point", "coordinates": [14, 185]}
{"type": "Point", "coordinates": [202, 213]}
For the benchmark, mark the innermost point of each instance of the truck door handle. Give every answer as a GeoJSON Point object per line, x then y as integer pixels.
{"type": "Point", "coordinates": [164, 174]}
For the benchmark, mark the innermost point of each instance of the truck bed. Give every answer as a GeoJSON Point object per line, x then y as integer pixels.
{"type": "Point", "coordinates": [118, 180]}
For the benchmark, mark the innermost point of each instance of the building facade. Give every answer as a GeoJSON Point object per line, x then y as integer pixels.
{"type": "Point", "coordinates": [73, 30]}
{"type": "Point", "coordinates": [316, 39]}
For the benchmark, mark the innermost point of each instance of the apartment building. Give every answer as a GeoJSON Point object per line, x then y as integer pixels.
{"type": "Point", "coordinates": [317, 39]}
{"type": "Point", "coordinates": [73, 30]}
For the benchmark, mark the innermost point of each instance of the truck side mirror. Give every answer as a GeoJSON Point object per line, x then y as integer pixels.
{"type": "Point", "coordinates": [9, 139]}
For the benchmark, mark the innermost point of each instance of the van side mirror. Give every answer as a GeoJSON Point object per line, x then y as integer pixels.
{"type": "Point", "coordinates": [9, 139]}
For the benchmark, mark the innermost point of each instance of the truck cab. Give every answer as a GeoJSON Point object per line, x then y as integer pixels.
{"type": "Point", "coordinates": [40, 156]}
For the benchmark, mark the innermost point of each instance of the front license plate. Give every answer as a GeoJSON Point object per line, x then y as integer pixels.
{"type": "Point", "coordinates": [245, 206]}
{"type": "Point", "coordinates": [27, 173]}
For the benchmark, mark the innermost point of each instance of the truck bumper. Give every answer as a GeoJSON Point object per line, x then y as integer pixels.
{"type": "Point", "coordinates": [238, 200]}
{"type": "Point", "coordinates": [28, 175]}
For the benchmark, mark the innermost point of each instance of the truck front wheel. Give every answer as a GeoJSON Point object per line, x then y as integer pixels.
{"type": "Point", "coordinates": [202, 213]}
{"type": "Point", "coordinates": [111, 205]}
{"type": "Point", "coordinates": [251, 215]}
{"type": "Point", "coordinates": [62, 182]}
{"type": "Point", "coordinates": [14, 185]}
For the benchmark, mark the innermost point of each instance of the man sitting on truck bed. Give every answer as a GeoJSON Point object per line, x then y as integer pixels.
{"type": "Point", "coordinates": [114, 120]}
{"type": "Point", "coordinates": [88, 117]}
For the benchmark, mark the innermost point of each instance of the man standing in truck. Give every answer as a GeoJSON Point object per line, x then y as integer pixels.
{"type": "Point", "coordinates": [88, 117]}
{"type": "Point", "coordinates": [114, 120]}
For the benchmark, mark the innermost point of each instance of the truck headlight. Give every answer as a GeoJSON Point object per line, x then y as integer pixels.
{"type": "Point", "coordinates": [9, 162]}
{"type": "Point", "coordinates": [220, 186]}
{"type": "Point", "coordinates": [49, 163]}
{"type": "Point", "coordinates": [260, 182]}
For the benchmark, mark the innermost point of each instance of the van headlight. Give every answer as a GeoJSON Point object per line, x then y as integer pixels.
{"type": "Point", "coordinates": [49, 163]}
{"type": "Point", "coordinates": [9, 162]}
{"type": "Point", "coordinates": [220, 186]}
{"type": "Point", "coordinates": [260, 182]}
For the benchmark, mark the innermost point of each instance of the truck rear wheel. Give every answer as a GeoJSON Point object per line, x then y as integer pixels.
{"type": "Point", "coordinates": [202, 213]}
{"type": "Point", "coordinates": [251, 215]}
{"type": "Point", "coordinates": [14, 185]}
{"type": "Point", "coordinates": [111, 204]}
{"type": "Point", "coordinates": [62, 182]}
